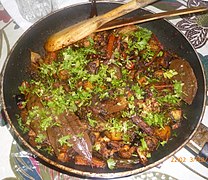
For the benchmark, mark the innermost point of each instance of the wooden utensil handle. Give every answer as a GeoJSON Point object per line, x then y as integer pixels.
{"type": "Point", "coordinates": [124, 9]}
{"type": "Point", "coordinates": [117, 23]}
{"type": "Point", "coordinates": [80, 30]}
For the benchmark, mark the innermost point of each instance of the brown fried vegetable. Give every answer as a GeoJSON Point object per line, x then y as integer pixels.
{"type": "Point", "coordinates": [163, 133]}
{"type": "Point", "coordinates": [176, 114]}
{"type": "Point", "coordinates": [36, 60]}
{"type": "Point", "coordinates": [71, 129]}
{"type": "Point", "coordinates": [143, 125]}
{"type": "Point", "coordinates": [187, 77]}
{"type": "Point", "coordinates": [98, 163]}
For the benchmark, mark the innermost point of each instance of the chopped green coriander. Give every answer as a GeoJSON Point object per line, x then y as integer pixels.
{"type": "Point", "coordinates": [178, 88]}
{"type": "Point", "coordinates": [24, 128]}
{"type": "Point", "coordinates": [139, 92]}
{"type": "Point", "coordinates": [169, 73]}
{"type": "Point", "coordinates": [163, 143]}
{"type": "Point", "coordinates": [160, 54]}
{"type": "Point", "coordinates": [155, 119]}
{"type": "Point", "coordinates": [80, 135]}
{"type": "Point", "coordinates": [64, 140]}
{"type": "Point", "coordinates": [143, 35]}
{"type": "Point", "coordinates": [114, 125]}
{"type": "Point", "coordinates": [97, 146]}
{"type": "Point", "coordinates": [92, 122]}
{"type": "Point", "coordinates": [169, 98]}
{"type": "Point", "coordinates": [111, 163]}
{"type": "Point", "coordinates": [143, 145]}
{"type": "Point", "coordinates": [40, 138]}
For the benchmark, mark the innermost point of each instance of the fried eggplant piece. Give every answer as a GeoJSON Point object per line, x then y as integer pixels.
{"type": "Point", "coordinates": [143, 125]}
{"type": "Point", "coordinates": [98, 163]}
{"type": "Point", "coordinates": [187, 77]}
{"type": "Point", "coordinates": [71, 127]}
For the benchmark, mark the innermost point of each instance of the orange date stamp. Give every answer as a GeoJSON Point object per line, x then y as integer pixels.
{"type": "Point", "coordinates": [189, 159]}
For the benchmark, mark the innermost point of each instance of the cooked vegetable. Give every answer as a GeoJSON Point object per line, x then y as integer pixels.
{"type": "Point", "coordinates": [107, 101]}
{"type": "Point", "coordinates": [187, 77]}
{"type": "Point", "coordinates": [163, 133]}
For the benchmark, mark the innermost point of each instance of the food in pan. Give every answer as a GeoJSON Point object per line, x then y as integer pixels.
{"type": "Point", "coordinates": [107, 101]}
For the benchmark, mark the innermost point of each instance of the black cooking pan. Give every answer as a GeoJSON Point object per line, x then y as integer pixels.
{"type": "Point", "coordinates": [15, 71]}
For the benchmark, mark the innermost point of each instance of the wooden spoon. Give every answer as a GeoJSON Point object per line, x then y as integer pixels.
{"type": "Point", "coordinates": [117, 23]}
{"type": "Point", "coordinates": [82, 29]}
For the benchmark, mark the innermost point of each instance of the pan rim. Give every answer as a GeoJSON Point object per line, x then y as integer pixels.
{"type": "Point", "coordinates": [92, 174]}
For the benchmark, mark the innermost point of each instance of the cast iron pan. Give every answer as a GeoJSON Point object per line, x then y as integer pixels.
{"type": "Point", "coordinates": [15, 71]}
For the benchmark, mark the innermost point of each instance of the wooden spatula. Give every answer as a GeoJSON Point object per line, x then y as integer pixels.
{"type": "Point", "coordinates": [80, 30]}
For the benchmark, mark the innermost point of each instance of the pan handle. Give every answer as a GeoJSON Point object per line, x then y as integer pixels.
{"type": "Point", "coordinates": [198, 145]}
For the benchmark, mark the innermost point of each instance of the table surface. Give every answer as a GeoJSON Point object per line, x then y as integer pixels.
{"type": "Point", "coordinates": [19, 164]}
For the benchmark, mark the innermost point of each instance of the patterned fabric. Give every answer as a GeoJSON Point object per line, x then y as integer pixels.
{"type": "Point", "coordinates": [24, 166]}
{"type": "Point", "coordinates": [195, 27]}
